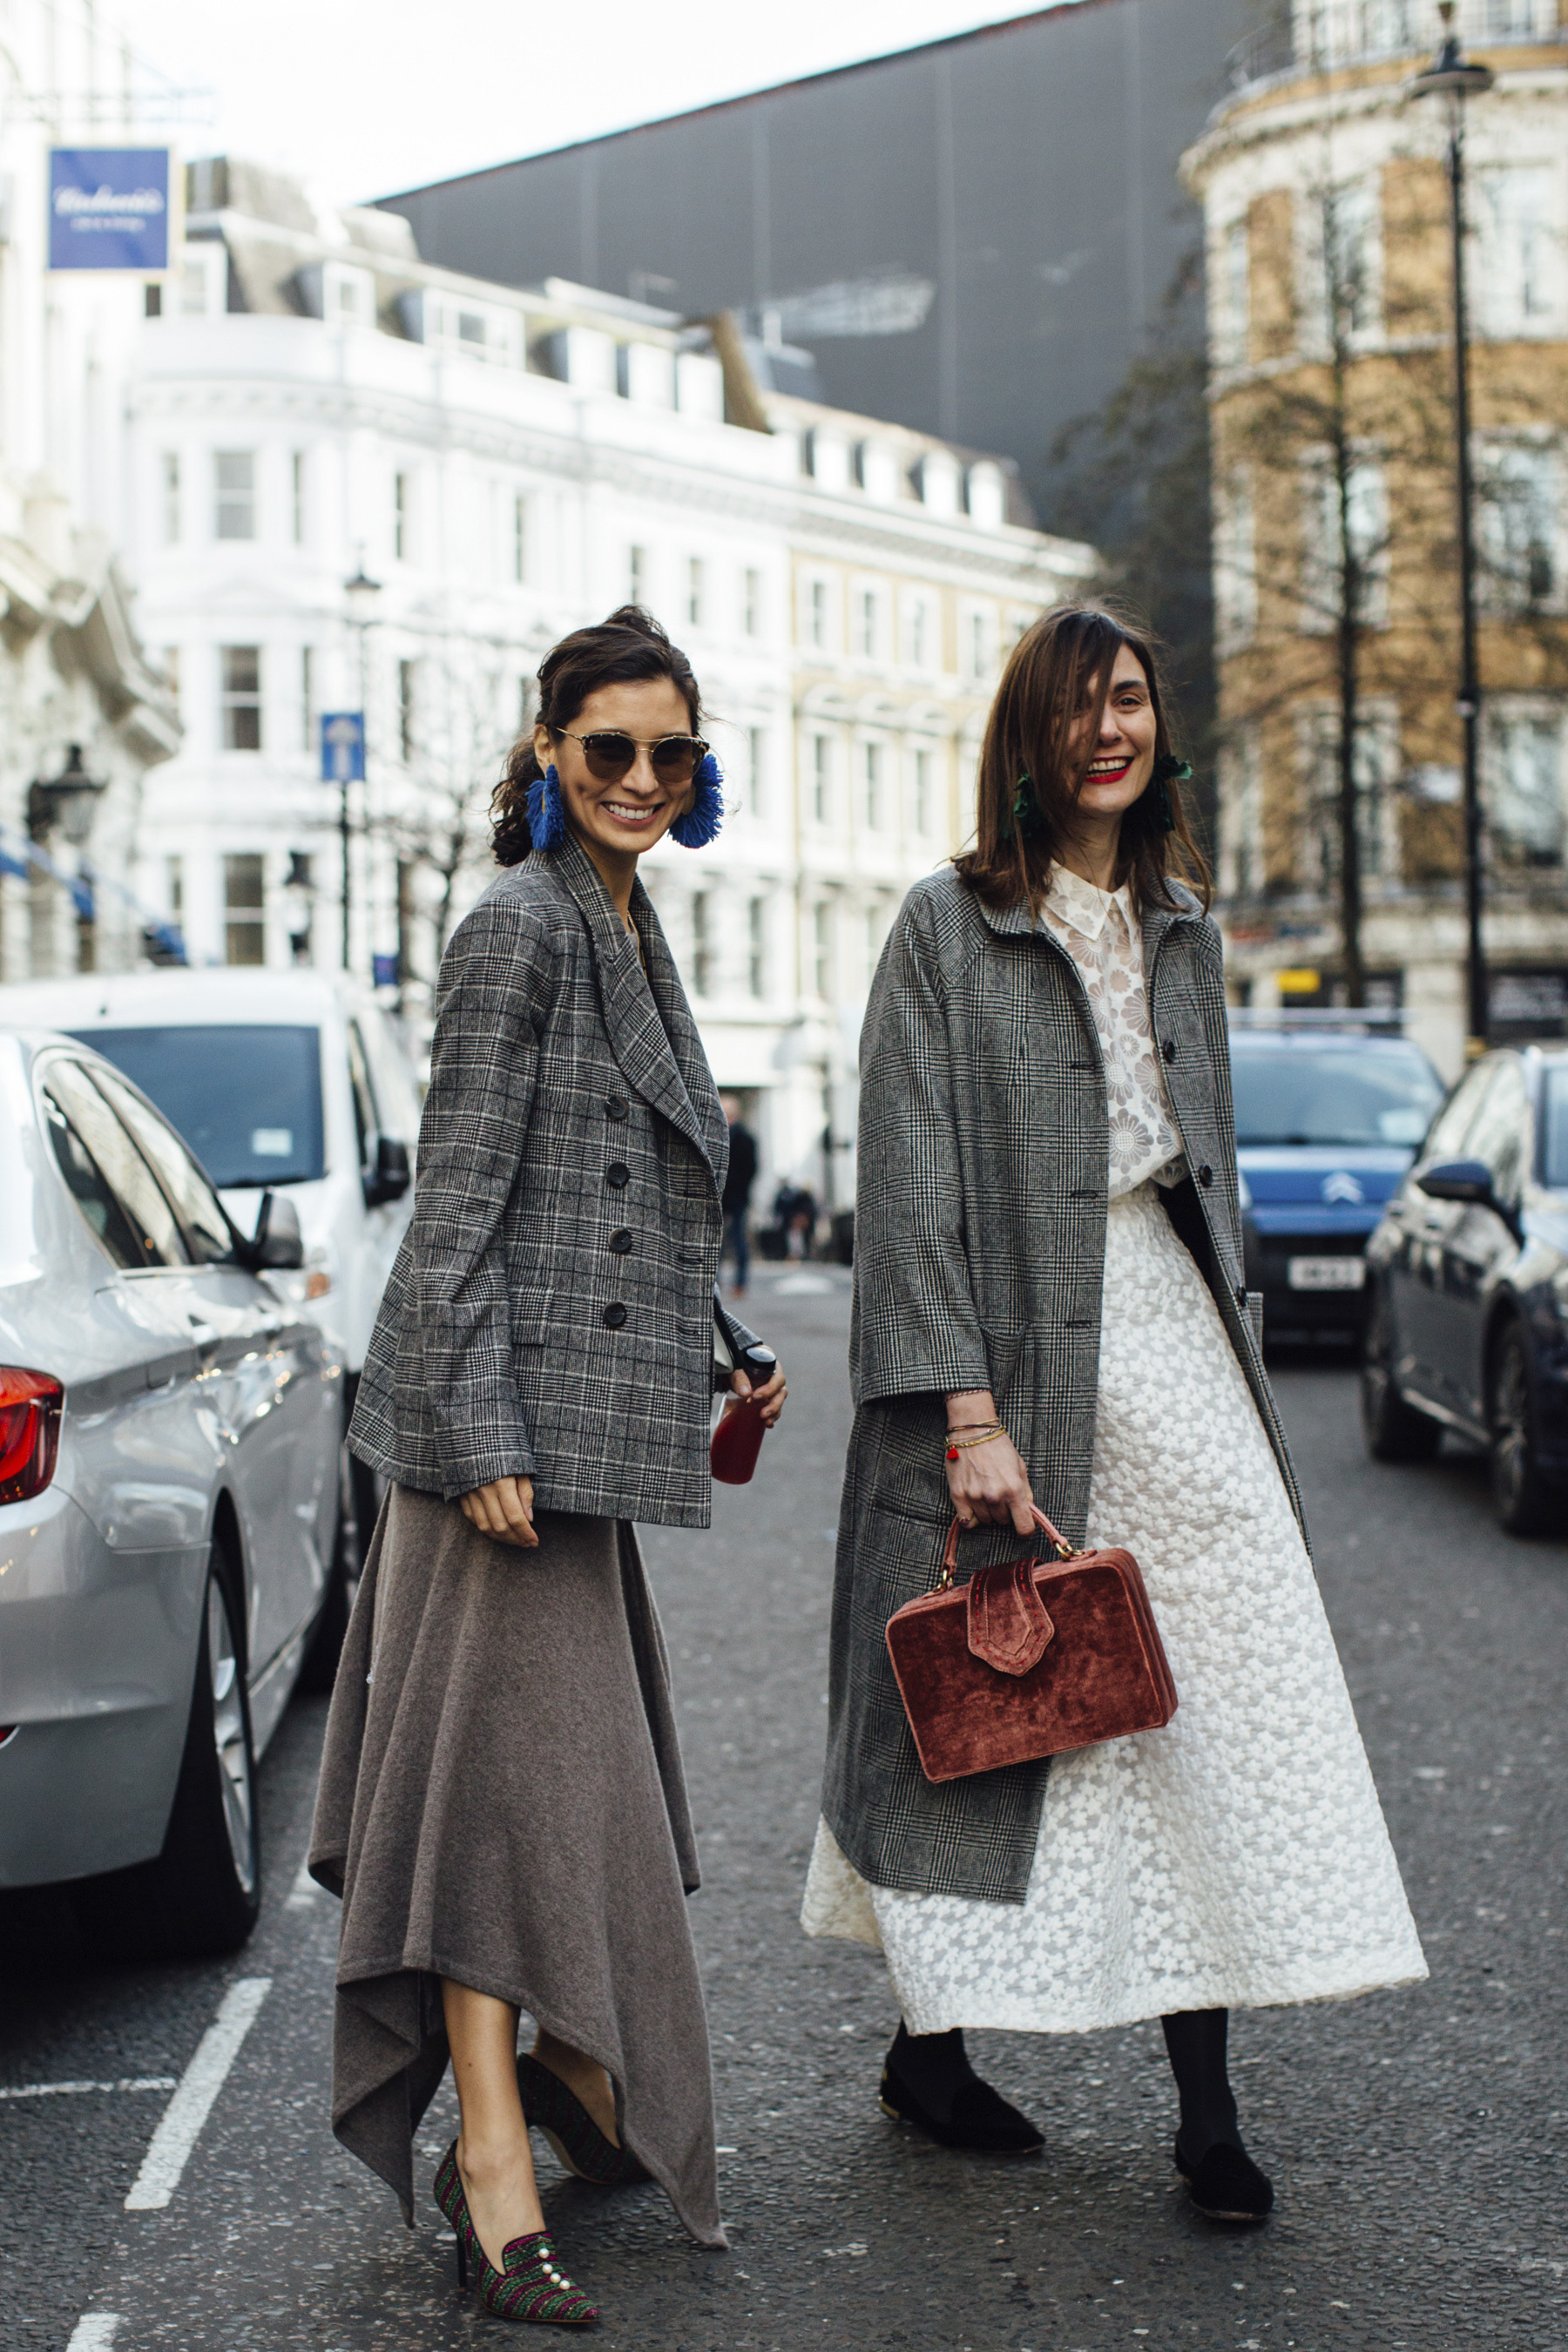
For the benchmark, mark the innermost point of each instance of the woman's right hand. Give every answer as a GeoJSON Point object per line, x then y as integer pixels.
{"type": "Point", "coordinates": [503, 1510]}
{"type": "Point", "coordinates": [989, 1483]}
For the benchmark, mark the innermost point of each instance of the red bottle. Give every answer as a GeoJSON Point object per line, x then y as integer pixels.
{"type": "Point", "coordinates": [736, 1445]}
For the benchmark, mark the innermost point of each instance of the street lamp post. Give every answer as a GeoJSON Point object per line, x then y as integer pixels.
{"type": "Point", "coordinates": [360, 595]}
{"type": "Point", "coordinates": [1456, 79]}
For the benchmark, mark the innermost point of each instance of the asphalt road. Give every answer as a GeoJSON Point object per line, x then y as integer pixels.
{"type": "Point", "coordinates": [1415, 2138]}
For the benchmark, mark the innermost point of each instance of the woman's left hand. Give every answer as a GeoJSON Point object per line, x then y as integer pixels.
{"type": "Point", "coordinates": [771, 1398]}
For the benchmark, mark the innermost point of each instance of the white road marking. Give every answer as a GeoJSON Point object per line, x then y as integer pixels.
{"type": "Point", "coordinates": [61, 2090]}
{"type": "Point", "coordinates": [181, 2124]}
{"type": "Point", "coordinates": [94, 2332]}
{"type": "Point", "coordinates": [304, 1891]}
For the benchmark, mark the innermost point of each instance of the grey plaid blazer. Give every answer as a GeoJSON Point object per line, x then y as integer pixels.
{"type": "Point", "coordinates": [549, 1312]}
{"type": "Point", "coordinates": [979, 1258]}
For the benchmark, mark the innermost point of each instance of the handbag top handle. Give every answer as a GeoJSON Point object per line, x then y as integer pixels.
{"type": "Point", "coordinates": [949, 1550]}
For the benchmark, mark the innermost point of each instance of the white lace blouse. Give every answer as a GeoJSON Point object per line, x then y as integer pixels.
{"type": "Point", "coordinates": [1100, 931]}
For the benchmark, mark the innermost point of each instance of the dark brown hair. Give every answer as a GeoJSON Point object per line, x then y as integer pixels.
{"type": "Point", "coordinates": [1060, 666]}
{"type": "Point", "coordinates": [630, 644]}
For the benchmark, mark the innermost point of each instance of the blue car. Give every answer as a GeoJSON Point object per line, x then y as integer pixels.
{"type": "Point", "coordinates": [1468, 1289]}
{"type": "Point", "coordinates": [1327, 1122]}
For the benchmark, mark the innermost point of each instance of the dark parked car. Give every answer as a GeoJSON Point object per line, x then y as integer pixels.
{"type": "Point", "coordinates": [1327, 1122]}
{"type": "Point", "coordinates": [1468, 1289]}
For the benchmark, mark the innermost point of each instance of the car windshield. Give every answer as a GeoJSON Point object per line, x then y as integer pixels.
{"type": "Point", "coordinates": [1334, 1094]}
{"type": "Point", "coordinates": [246, 1100]}
{"type": "Point", "coordinates": [1555, 1126]}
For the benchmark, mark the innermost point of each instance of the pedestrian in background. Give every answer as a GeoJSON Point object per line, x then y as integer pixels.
{"type": "Point", "coordinates": [738, 1183]}
{"type": "Point", "coordinates": [501, 1806]}
{"type": "Point", "coordinates": [1049, 1303]}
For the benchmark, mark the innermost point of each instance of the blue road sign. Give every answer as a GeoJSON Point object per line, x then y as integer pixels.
{"type": "Point", "coordinates": [342, 747]}
{"type": "Point", "coordinates": [109, 208]}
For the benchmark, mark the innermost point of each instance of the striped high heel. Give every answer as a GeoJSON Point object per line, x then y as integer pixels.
{"type": "Point", "coordinates": [531, 2285]}
{"type": "Point", "coordinates": [577, 2139]}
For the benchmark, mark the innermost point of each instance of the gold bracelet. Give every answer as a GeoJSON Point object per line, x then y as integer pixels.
{"type": "Point", "coordinates": [962, 1444]}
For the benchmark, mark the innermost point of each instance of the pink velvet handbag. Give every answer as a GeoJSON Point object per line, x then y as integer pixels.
{"type": "Point", "coordinates": [1028, 1659]}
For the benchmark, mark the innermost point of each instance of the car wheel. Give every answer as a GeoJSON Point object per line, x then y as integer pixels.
{"type": "Point", "coordinates": [201, 1895]}
{"type": "Point", "coordinates": [357, 1507]}
{"type": "Point", "coordinates": [1393, 1430]}
{"type": "Point", "coordinates": [1525, 1504]}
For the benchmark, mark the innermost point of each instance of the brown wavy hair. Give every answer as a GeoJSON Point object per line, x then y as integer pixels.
{"type": "Point", "coordinates": [630, 644]}
{"type": "Point", "coordinates": [1060, 666]}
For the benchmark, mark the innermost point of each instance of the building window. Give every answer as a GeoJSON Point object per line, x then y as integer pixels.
{"type": "Point", "coordinates": [236, 481]}
{"type": "Point", "coordinates": [240, 680]}
{"type": "Point", "coordinates": [979, 651]}
{"type": "Point", "coordinates": [245, 910]}
{"type": "Point", "coordinates": [297, 472]}
{"type": "Point", "coordinates": [702, 944]}
{"type": "Point", "coordinates": [174, 887]}
{"type": "Point", "coordinates": [1241, 817]}
{"type": "Point", "coordinates": [520, 538]}
{"type": "Point", "coordinates": [1519, 247]}
{"type": "Point", "coordinates": [756, 767]}
{"type": "Point", "coordinates": [821, 778]}
{"type": "Point", "coordinates": [1236, 566]}
{"type": "Point", "coordinates": [873, 942]}
{"type": "Point", "coordinates": [172, 675]}
{"type": "Point", "coordinates": [867, 608]}
{"type": "Point", "coordinates": [1520, 498]}
{"type": "Point", "coordinates": [816, 612]}
{"type": "Point", "coordinates": [405, 698]}
{"type": "Point", "coordinates": [400, 542]}
{"type": "Point", "coordinates": [918, 633]}
{"type": "Point", "coordinates": [1237, 296]}
{"type": "Point", "coordinates": [756, 947]}
{"type": "Point", "coordinates": [307, 698]}
{"type": "Point", "coordinates": [637, 575]}
{"type": "Point", "coordinates": [821, 948]}
{"type": "Point", "coordinates": [1346, 552]}
{"type": "Point", "coordinates": [872, 753]}
{"type": "Point", "coordinates": [1524, 786]}
{"type": "Point", "coordinates": [1376, 768]}
{"type": "Point", "coordinates": [694, 587]}
{"type": "Point", "coordinates": [1348, 261]}
{"type": "Point", "coordinates": [751, 603]}
{"type": "Point", "coordinates": [922, 792]}
{"type": "Point", "coordinates": [171, 487]}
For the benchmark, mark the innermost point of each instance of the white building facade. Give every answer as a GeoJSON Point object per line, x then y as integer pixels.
{"type": "Point", "coordinates": [312, 406]}
{"type": "Point", "coordinates": [72, 671]}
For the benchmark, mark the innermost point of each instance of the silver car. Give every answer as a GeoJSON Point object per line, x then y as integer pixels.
{"type": "Point", "coordinates": [169, 1433]}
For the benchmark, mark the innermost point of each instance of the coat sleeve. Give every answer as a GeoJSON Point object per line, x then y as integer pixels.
{"type": "Point", "coordinates": [495, 975]}
{"type": "Point", "coordinates": [916, 1328]}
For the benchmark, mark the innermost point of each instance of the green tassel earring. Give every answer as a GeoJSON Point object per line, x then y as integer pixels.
{"type": "Point", "coordinates": [1026, 818]}
{"type": "Point", "coordinates": [1168, 769]}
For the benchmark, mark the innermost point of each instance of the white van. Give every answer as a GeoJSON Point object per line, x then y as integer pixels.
{"type": "Point", "coordinates": [279, 1079]}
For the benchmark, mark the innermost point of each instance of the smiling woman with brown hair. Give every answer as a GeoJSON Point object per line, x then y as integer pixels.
{"type": "Point", "coordinates": [502, 1807]}
{"type": "Point", "coordinates": [1049, 1308]}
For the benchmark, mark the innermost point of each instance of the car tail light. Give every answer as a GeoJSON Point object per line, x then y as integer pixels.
{"type": "Point", "coordinates": [29, 1431]}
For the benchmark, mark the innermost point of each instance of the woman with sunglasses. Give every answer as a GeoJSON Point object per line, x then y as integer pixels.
{"type": "Point", "coordinates": [502, 1807]}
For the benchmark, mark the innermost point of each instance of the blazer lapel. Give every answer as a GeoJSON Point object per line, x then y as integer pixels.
{"type": "Point", "coordinates": [642, 1044]}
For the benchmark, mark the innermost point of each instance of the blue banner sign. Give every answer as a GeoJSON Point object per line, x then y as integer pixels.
{"type": "Point", "coordinates": [109, 208]}
{"type": "Point", "coordinates": [342, 747]}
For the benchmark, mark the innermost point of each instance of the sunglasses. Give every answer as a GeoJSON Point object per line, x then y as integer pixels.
{"type": "Point", "coordinates": [674, 759]}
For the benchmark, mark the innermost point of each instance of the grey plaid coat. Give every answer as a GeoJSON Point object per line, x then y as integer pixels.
{"type": "Point", "coordinates": [979, 1257]}
{"type": "Point", "coordinates": [549, 1312]}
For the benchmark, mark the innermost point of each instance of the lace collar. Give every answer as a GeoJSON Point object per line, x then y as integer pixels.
{"type": "Point", "coordinates": [1083, 906]}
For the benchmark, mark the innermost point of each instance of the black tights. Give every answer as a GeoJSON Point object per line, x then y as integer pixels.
{"type": "Point", "coordinates": [935, 2065]}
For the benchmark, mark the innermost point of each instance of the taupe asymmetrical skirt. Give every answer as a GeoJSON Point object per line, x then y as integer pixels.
{"type": "Point", "coordinates": [503, 1803]}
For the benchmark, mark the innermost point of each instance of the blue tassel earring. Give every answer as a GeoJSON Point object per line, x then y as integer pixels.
{"type": "Point", "coordinates": [697, 828]}
{"type": "Point", "coordinates": [546, 817]}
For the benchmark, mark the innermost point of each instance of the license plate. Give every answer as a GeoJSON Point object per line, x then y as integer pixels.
{"type": "Point", "coordinates": [1325, 1273]}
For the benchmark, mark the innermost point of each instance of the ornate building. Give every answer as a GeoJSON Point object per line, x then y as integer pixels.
{"type": "Point", "coordinates": [1331, 321]}
{"type": "Point", "coordinates": [495, 467]}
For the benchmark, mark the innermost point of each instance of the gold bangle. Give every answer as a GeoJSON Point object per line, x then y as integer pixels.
{"type": "Point", "coordinates": [958, 1445]}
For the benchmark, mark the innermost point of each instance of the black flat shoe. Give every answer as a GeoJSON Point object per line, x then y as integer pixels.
{"type": "Point", "coordinates": [1225, 2184]}
{"type": "Point", "coordinates": [980, 2120]}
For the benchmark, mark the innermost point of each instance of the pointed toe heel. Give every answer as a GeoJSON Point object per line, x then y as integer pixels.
{"type": "Point", "coordinates": [530, 2288]}
{"type": "Point", "coordinates": [574, 2135]}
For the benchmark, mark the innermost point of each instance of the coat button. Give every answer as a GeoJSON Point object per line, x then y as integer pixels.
{"type": "Point", "coordinates": [618, 1174]}
{"type": "Point", "coordinates": [621, 1240]}
{"type": "Point", "coordinates": [1205, 1178]}
{"type": "Point", "coordinates": [1169, 1049]}
{"type": "Point", "coordinates": [614, 1315]}
{"type": "Point", "coordinates": [615, 1107]}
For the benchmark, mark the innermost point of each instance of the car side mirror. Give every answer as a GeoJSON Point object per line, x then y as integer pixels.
{"type": "Point", "coordinates": [389, 1177]}
{"type": "Point", "coordinates": [1469, 1181]}
{"type": "Point", "coordinates": [279, 1246]}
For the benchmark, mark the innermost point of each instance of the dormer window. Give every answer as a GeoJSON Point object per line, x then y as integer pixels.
{"type": "Point", "coordinates": [348, 295]}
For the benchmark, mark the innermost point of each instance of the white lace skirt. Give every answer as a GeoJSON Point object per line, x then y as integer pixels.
{"type": "Point", "coordinates": [1237, 1859]}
